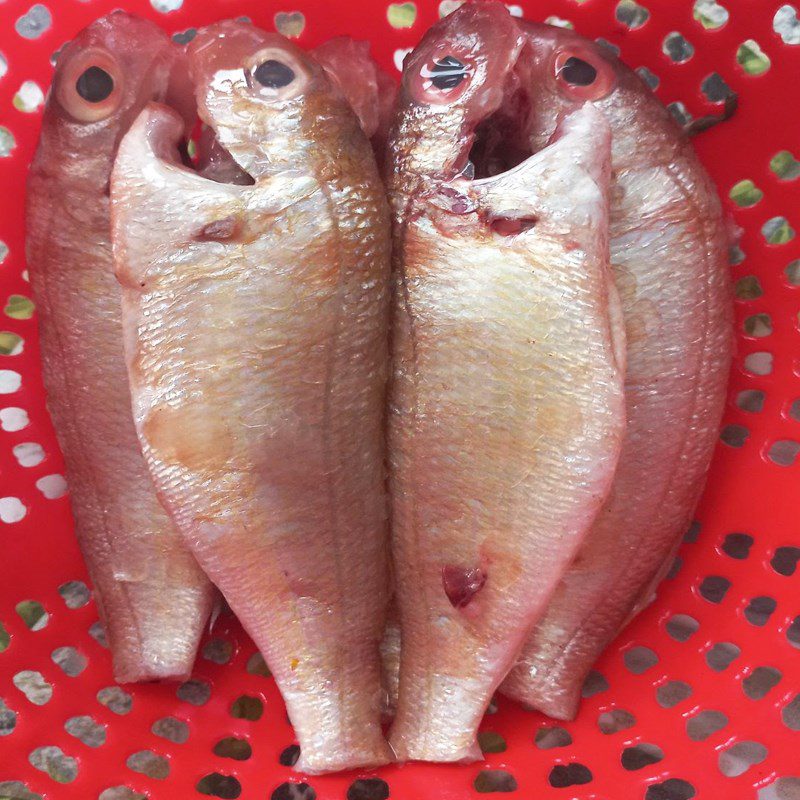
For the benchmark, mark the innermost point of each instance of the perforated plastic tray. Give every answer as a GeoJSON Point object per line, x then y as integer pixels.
{"type": "Point", "coordinates": [699, 697]}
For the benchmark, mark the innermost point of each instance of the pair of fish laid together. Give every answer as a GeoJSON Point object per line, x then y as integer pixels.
{"type": "Point", "coordinates": [249, 339]}
{"type": "Point", "coordinates": [560, 338]}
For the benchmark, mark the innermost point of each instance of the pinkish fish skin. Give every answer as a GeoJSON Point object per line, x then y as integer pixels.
{"type": "Point", "coordinates": [506, 402]}
{"type": "Point", "coordinates": [152, 596]}
{"type": "Point", "coordinates": [669, 253]}
{"type": "Point", "coordinates": [256, 321]}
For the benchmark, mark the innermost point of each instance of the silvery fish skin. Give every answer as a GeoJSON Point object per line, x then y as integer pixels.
{"type": "Point", "coordinates": [256, 321]}
{"type": "Point", "coordinates": [153, 597]}
{"type": "Point", "coordinates": [669, 254]}
{"type": "Point", "coordinates": [506, 402]}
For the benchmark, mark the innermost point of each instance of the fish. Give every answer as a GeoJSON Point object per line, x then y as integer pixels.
{"type": "Point", "coordinates": [506, 401]}
{"type": "Point", "coordinates": [256, 344]}
{"type": "Point", "coordinates": [669, 252]}
{"type": "Point", "coordinates": [152, 596]}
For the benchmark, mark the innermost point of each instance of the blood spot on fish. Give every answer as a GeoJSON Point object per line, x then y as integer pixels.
{"type": "Point", "coordinates": [461, 584]}
{"type": "Point", "coordinates": [506, 226]}
{"type": "Point", "coordinates": [220, 230]}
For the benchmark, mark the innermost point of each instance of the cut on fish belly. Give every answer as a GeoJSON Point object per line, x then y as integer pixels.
{"type": "Point", "coordinates": [506, 401]}
{"type": "Point", "coordinates": [669, 247]}
{"type": "Point", "coordinates": [151, 593]}
{"type": "Point", "coordinates": [256, 320]}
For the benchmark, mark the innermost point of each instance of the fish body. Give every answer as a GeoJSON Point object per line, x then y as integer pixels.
{"type": "Point", "coordinates": [669, 244]}
{"type": "Point", "coordinates": [256, 343]}
{"type": "Point", "coordinates": [152, 595]}
{"type": "Point", "coordinates": [506, 409]}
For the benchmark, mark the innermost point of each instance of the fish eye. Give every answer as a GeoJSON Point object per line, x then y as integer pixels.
{"type": "Point", "coordinates": [273, 74]}
{"type": "Point", "coordinates": [276, 73]}
{"type": "Point", "coordinates": [582, 75]}
{"type": "Point", "coordinates": [442, 79]}
{"type": "Point", "coordinates": [90, 85]}
{"type": "Point", "coordinates": [445, 73]}
{"type": "Point", "coordinates": [94, 85]}
{"type": "Point", "coordinates": [577, 72]}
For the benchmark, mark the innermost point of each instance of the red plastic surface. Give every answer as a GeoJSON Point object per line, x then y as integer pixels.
{"type": "Point", "coordinates": [666, 690]}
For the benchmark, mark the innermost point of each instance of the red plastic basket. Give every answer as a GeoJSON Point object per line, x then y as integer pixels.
{"type": "Point", "coordinates": [699, 697]}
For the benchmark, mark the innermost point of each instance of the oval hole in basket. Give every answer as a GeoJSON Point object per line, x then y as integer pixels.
{"type": "Point", "coordinates": [595, 683]}
{"type": "Point", "coordinates": [681, 627]}
{"type": "Point", "coordinates": [705, 724]}
{"type": "Point", "coordinates": [670, 789]}
{"type": "Point", "coordinates": [121, 793]}
{"type": "Point", "coordinates": [8, 719]}
{"type": "Point", "coordinates": [149, 763]}
{"type": "Point", "coordinates": [734, 435]}
{"type": "Point", "coordinates": [368, 789]}
{"type": "Point", "coordinates": [247, 707]}
{"type": "Point", "coordinates": [784, 452]}
{"type": "Point", "coordinates": [614, 720]}
{"type": "Point", "coordinates": [721, 655]}
{"type": "Point", "coordinates": [793, 633]}
{"type": "Point", "coordinates": [751, 400]}
{"type": "Point", "coordinates": [491, 742]}
{"type": "Point", "coordinates": [215, 784]}
{"type": "Point", "coordinates": [786, 788]}
{"type": "Point", "coordinates": [677, 47]}
{"type": "Point", "coordinates": [98, 633]}
{"type": "Point", "coordinates": [218, 651]}
{"type": "Point", "coordinates": [673, 692]}
{"type": "Point", "coordinates": [639, 659]}
{"type": "Point", "coordinates": [759, 682]}
{"type": "Point", "coordinates": [16, 790]}
{"type": "Point", "coordinates": [289, 755]}
{"type": "Point", "coordinates": [86, 730]}
{"type": "Point", "coordinates": [75, 594]}
{"type": "Point", "coordinates": [759, 610]}
{"type": "Point", "coordinates": [33, 685]}
{"type": "Point", "coordinates": [52, 760]}
{"type": "Point", "coordinates": [791, 714]}
{"type": "Point", "coordinates": [738, 758]}
{"type": "Point", "coordinates": [552, 736]}
{"type": "Point", "coordinates": [714, 588]}
{"type": "Point", "coordinates": [640, 756]}
{"type": "Point", "coordinates": [737, 545]}
{"type": "Point", "coordinates": [172, 729]}
{"type": "Point", "coordinates": [631, 14]}
{"type": "Point", "coordinates": [710, 14]}
{"type": "Point", "coordinates": [115, 699]}
{"type": "Point", "coordinates": [71, 661]}
{"type": "Point", "coordinates": [784, 562]}
{"type": "Point", "coordinates": [257, 666]}
{"type": "Point", "coordinates": [786, 24]}
{"type": "Point", "coordinates": [231, 747]}
{"type": "Point", "coordinates": [195, 692]}
{"type": "Point", "coordinates": [293, 791]}
{"type": "Point", "coordinates": [564, 775]}
{"type": "Point", "coordinates": [32, 613]}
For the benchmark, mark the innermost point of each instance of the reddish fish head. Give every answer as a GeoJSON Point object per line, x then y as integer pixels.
{"type": "Point", "coordinates": [103, 79]}
{"type": "Point", "coordinates": [452, 80]}
{"type": "Point", "coordinates": [270, 103]}
{"type": "Point", "coordinates": [558, 71]}
{"type": "Point", "coordinates": [484, 91]}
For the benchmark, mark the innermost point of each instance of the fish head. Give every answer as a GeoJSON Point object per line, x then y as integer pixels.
{"type": "Point", "coordinates": [269, 102]}
{"type": "Point", "coordinates": [559, 71]}
{"type": "Point", "coordinates": [103, 79]}
{"type": "Point", "coordinates": [451, 81]}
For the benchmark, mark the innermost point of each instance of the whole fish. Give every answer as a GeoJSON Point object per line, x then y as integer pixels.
{"type": "Point", "coordinates": [256, 325]}
{"type": "Point", "coordinates": [669, 247]}
{"type": "Point", "coordinates": [506, 402]}
{"type": "Point", "coordinates": [151, 594]}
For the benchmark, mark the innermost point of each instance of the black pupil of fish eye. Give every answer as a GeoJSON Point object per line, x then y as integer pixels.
{"type": "Point", "coordinates": [273, 74]}
{"type": "Point", "coordinates": [447, 73]}
{"type": "Point", "coordinates": [94, 85]}
{"type": "Point", "coordinates": [578, 72]}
